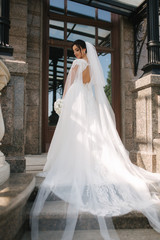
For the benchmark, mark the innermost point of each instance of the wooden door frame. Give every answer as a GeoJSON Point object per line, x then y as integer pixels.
{"type": "Point", "coordinates": [47, 131]}
{"type": "Point", "coordinates": [45, 54]}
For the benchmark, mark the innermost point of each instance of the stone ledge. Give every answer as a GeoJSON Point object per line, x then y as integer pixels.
{"type": "Point", "coordinates": [14, 194]}
{"type": "Point", "coordinates": [54, 214]}
{"type": "Point", "coordinates": [16, 67]}
{"type": "Point", "coordinates": [125, 234]}
{"type": "Point", "coordinates": [145, 82]}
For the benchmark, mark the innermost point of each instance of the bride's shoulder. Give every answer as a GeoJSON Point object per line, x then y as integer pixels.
{"type": "Point", "coordinates": [80, 62]}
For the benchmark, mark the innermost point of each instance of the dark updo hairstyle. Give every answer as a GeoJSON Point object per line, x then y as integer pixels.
{"type": "Point", "coordinates": [80, 44]}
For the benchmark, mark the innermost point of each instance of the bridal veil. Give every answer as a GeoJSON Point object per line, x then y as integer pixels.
{"type": "Point", "coordinates": [87, 165]}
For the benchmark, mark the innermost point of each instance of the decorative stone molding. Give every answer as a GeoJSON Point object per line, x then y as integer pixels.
{"type": "Point", "coordinates": [4, 166]}
{"type": "Point", "coordinates": [140, 36]}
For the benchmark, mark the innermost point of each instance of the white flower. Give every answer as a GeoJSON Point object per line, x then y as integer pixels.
{"type": "Point", "coordinates": [58, 106]}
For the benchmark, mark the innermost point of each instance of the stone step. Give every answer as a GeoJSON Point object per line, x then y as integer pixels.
{"type": "Point", "coordinates": [14, 194]}
{"type": "Point", "coordinates": [131, 234]}
{"type": "Point", "coordinates": [54, 214]}
{"type": "Point", "coordinates": [33, 195]}
{"type": "Point", "coordinates": [35, 163]}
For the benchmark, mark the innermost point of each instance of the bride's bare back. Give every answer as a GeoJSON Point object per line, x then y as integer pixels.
{"type": "Point", "coordinates": [86, 75]}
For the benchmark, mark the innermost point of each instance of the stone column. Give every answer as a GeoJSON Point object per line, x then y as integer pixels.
{"type": "Point", "coordinates": [4, 166]}
{"type": "Point", "coordinates": [146, 121]}
{"type": "Point", "coordinates": [13, 107]}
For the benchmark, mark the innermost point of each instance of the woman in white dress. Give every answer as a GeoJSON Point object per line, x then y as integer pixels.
{"type": "Point", "coordinates": [87, 165]}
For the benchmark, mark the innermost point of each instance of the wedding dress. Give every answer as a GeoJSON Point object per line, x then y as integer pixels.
{"type": "Point", "coordinates": [87, 165]}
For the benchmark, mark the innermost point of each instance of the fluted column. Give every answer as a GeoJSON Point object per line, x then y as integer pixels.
{"type": "Point", "coordinates": [4, 166]}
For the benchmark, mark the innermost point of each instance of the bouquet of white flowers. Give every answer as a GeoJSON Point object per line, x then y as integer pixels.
{"type": "Point", "coordinates": [58, 106]}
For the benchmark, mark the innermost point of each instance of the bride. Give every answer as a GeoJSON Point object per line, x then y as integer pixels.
{"type": "Point", "coordinates": [87, 165]}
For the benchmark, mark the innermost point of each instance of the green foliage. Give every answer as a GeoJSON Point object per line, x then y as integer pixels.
{"type": "Point", "coordinates": [108, 87]}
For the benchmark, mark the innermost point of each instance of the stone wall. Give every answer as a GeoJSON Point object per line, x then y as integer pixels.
{"type": "Point", "coordinates": [21, 98]}
{"type": "Point", "coordinates": [33, 81]}
{"type": "Point", "coordinates": [127, 74]}
{"type": "Point", "coordinates": [18, 29]}
{"type": "Point", "coordinates": [127, 79]}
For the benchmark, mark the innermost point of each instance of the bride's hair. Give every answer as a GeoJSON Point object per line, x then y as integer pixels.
{"type": "Point", "coordinates": [80, 44]}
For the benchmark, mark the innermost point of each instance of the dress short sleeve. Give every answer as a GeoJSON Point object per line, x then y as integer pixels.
{"type": "Point", "coordinates": [80, 62]}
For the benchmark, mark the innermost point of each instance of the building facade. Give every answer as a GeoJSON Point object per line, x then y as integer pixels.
{"type": "Point", "coordinates": [40, 35]}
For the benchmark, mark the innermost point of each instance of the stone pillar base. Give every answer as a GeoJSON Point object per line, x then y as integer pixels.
{"type": "Point", "coordinates": [17, 164]}
{"type": "Point", "coordinates": [146, 122]}
{"type": "Point", "coordinates": [146, 160]}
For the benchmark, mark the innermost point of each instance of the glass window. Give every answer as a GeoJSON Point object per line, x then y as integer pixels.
{"type": "Point", "coordinates": [78, 31]}
{"type": "Point", "coordinates": [77, 9]}
{"type": "Point", "coordinates": [105, 60]}
{"type": "Point", "coordinates": [104, 37]}
{"type": "Point", "coordinates": [55, 81]}
{"type": "Point", "coordinates": [57, 6]}
{"type": "Point", "coordinates": [57, 3]}
{"type": "Point", "coordinates": [104, 15]}
{"type": "Point", "coordinates": [56, 29]}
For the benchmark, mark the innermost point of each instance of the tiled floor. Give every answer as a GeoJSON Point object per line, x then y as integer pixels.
{"type": "Point", "coordinates": [137, 234]}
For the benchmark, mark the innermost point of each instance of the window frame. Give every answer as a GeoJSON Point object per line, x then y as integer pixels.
{"type": "Point", "coordinates": [113, 26]}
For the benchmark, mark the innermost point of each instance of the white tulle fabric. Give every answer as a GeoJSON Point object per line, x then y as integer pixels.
{"type": "Point", "coordinates": [87, 165]}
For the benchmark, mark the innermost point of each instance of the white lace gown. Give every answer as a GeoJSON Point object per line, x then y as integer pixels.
{"type": "Point", "coordinates": [88, 166]}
